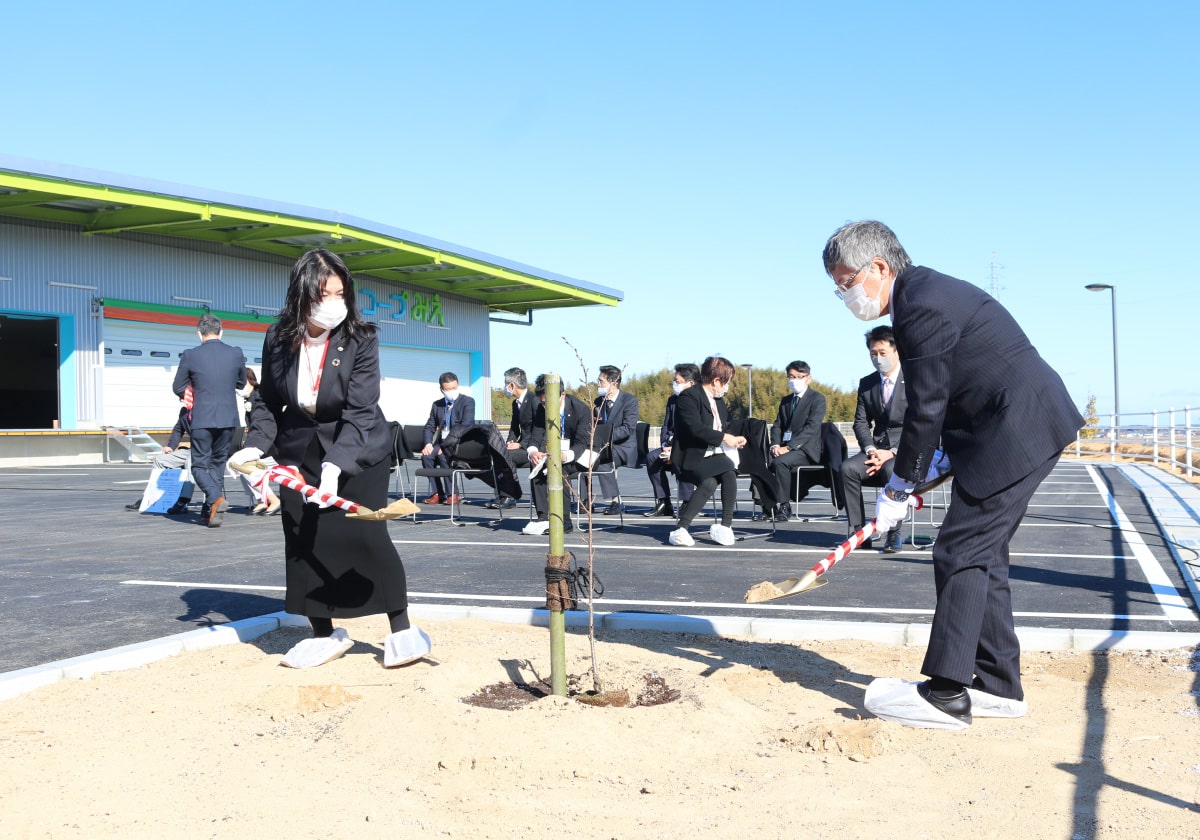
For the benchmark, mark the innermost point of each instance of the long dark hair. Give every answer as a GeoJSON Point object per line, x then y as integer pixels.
{"type": "Point", "coordinates": [305, 285]}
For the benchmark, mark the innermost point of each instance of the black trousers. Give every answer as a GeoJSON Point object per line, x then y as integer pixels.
{"type": "Point", "coordinates": [211, 448]}
{"type": "Point", "coordinates": [782, 467]}
{"type": "Point", "coordinates": [972, 640]}
{"type": "Point", "coordinates": [854, 478]}
{"type": "Point", "coordinates": [657, 469]}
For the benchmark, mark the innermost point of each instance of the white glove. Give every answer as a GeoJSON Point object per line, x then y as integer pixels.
{"type": "Point", "coordinates": [250, 453]}
{"type": "Point", "coordinates": [329, 484]}
{"type": "Point", "coordinates": [888, 512]}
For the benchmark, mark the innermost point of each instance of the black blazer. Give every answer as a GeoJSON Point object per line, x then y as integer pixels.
{"type": "Point", "coordinates": [804, 422]}
{"type": "Point", "coordinates": [577, 425]}
{"type": "Point", "coordinates": [623, 417]}
{"type": "Point", "coordinates": [520, 429]}
{"type": "Point", "coordinates": [463, 414]}
{"type": "Point", "coordinates": [667, 433]}
{"type": "Point", "coordinates": [348, 422]}
{"type": "Point", "coordinates": [974, 380]}
{"type": "Point", "coordinates": [694, 434]}
{"type": "Point", "coordinates": [873, 424]}
{"type": "Point", "coordinates": [216, 371]}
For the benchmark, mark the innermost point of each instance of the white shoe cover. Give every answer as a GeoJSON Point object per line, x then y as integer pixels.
{"type": "Point", "coordinates": [680, 536]}
{"type": "Point", "coordinates": [721, 534]}
{"type": "Point", "coordinates": [406, 646]}
{"type": "Point", "coordinates": [898, 701]}
{"type": "Point", "coordinates": [990, 705]}
{"type": "Point", "coordinates": [317, 651]}
{"type": "Point", "coordinates": [536, 527]}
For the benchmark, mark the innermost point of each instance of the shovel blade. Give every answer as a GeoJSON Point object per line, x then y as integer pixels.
{"type": "Point", "coordinates": [396, 510]}
{"type": "Point", "coordinates": [767, 591]}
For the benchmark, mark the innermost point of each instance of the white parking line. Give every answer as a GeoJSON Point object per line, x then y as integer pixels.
{"type": "Point", "coordinates": [606, 603]}
{"type": "Point", "coordinates": [1172, 603]}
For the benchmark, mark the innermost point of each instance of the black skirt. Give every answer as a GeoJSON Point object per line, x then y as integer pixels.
{"type": "Point", "coordinates": [339, 567]}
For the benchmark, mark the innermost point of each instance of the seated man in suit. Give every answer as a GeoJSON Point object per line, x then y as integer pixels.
{"type": "Point", "coordinates": [453, 409]}
{"type": "Point", "coordinates": [576, 426]}
{"type": "Point", "coordinates": [520, 428]}
{"type": "Point", "coordinates": [619, 409]}
{"type": "Point", "coordinates": [658, 461]}
{"type": "Point", "coordinates": [796, 433]}
{"type": "Point", "coordinates": [878, 421]}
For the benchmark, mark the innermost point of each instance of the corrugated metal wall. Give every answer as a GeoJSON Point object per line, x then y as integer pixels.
{"type": "Point", "coordinates": [154, 270]}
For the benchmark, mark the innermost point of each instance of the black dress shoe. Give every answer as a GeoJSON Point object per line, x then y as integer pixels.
{"type": "Point", "coordinates": [506, 503]}
{"type": "Point", "coordinates": [614, 509]}
{"type": "Point", "coordinates": [135, 506]}
{"type": "Point", "coordinates": [179, 508]}
{"type": "Point", "coordinates": [661, 508]}
{"type": "Point", "coordinates": [783, 512]}
{"type": "Point", "coordinates": [205, 510]}
{"type": "Point", "coordinates": [893, 544]}
{"type": "Point", "coordinates": [867, 545]}
{"type": "Point", "coordinates": [956, 702]}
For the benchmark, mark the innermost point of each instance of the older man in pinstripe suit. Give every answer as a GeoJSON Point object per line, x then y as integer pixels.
{"type": "Point", "coordinates": [1003, 415]}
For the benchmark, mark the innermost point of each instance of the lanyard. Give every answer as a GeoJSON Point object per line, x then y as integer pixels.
{"type": "Point", "coordinates": [316, 379]}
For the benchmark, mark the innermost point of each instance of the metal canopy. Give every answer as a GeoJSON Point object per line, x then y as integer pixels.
{"type": "Point", "coordinates": [101, 204]}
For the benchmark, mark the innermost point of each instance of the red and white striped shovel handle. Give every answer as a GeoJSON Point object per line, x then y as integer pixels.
{"type": "Point", "coordinates": [290, 477]}
{"type": "Point", "coordinates": [855, 540]}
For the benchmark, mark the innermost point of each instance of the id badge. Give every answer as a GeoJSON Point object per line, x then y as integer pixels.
{"type": "Point", "coordinates": [566, 443]}
{"type": "Point", "coordinates": [787, 436]}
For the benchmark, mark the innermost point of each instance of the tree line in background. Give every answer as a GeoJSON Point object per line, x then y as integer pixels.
{"type": "Point", "coordinates": [653, 389]}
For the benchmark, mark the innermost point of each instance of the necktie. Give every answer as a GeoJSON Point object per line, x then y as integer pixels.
{"type": "Point", "coordinates": [887, 392]}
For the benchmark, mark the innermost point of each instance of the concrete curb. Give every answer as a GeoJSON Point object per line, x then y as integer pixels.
{"type": "Point", "coordinates": [15, 683]}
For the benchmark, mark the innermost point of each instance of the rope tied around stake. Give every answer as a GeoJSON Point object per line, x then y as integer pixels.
{"type": "Point", "coordinates": [567, 583]}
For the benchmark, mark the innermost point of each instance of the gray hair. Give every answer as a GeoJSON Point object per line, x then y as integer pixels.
{"type": "Point", "coordinates": [857, 243]}
{"type": "Point", "coordinates": [516, 377]}
{"type": "Point", "coordinates": [209, 324]}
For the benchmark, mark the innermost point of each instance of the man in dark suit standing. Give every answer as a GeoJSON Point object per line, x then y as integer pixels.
{"type": "Point", "coordinates": [576, 435]}
{"type": "Point", "coordinates": [453, 410]}
{"type": "Point", "coordinates": [520, 428]}
{"type": "Point", "coordinates": [878, 423]}
{"type": "Point", "coordinates": [796, 433]}
{"type": "Point", "coordinates": [1003, 415]}
{"type": "Point", "coordinates": [215, 371]}
{"type": "Point", "coordinates": [658, 460]}
{"type": "Point", "coordinates": [619, 409]}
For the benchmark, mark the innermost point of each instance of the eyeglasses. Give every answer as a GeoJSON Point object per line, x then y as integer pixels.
{"type": "Point", "coordinates": [842, 288]}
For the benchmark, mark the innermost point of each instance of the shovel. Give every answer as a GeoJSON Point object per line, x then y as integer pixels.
{"type": "Point", "coordinates": [290, 477]}
{"type": "Point", "coordinates": [767, 591]}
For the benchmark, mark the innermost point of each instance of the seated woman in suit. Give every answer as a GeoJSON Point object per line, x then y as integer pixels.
{"type": "Point", "coordinates": [701, 446]}
{"type": "Point", "coordinates": [320, 413]}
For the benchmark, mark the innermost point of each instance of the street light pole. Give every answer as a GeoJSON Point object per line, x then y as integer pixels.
{"type": "Point", "coordinates": [750, 386]}
{"type": "Point", "coordinates": [1100, 287]}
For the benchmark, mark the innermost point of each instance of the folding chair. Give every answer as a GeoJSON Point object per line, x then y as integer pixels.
{"type": "Point", "coordinates": [927, 541]}
{"type": "Point", "coordinates": [471, 459]}
{"type": "Point", "coordinates": [398, 457]}
{"type": "Point", "coordinates": [833, 449]}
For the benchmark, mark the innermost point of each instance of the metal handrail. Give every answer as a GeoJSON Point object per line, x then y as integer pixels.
{"type": "Point", "coordinates": [1164, 438]}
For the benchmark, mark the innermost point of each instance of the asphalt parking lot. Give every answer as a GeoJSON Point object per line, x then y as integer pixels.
{"type": "Point", "coordinates": [81, 574]}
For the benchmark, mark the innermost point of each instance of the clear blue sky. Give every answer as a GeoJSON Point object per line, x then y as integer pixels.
{"type": "Point", "coordinates": [695, 155]}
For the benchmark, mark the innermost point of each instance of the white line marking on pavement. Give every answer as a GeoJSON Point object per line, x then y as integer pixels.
{"type": "Point", "coordinates": [38, 475]}
{"type": "Point", "coordinates": [1173, 604]}
{"type": "Point", "coordinates": [604, 603]}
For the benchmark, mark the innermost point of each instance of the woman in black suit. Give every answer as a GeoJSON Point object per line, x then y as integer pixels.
{"type": "Point", "coordinates": [320, 413]}
{"type": "Point", "coordinates": [701, 445]}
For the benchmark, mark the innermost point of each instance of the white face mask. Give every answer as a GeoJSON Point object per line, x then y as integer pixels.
{"type": "Point", "coordinates": [328, 313]}
{"type": "Point", "coordinates": [679, 387]}
{"type": "Point", "coordinates": [798, 386]}
{"type": "Point", "coordinates": [246, 391]}
{"type": "Point", "coordinates": [884, 364]}
{"type": "Point", "coordinates": [863, 308]}
{"type": "Point", "coordinates": [450, 396]}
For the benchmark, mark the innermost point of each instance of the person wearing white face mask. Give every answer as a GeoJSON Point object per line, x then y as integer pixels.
{"type": "Point", "coordinates": [878, 422]}
{"type": "Point", "coordinates": [701, 448]}
{"type": "Point", "coordinates": [974, 381]}
{"type": "Point", "coordinates": [520, 428]}
{"type": "Point", "coordinates": [320, 414]}
{"type": "Point", "coordinates": [453, 411]}
{"type": "Point", "coordinates": [658, 460]}
{"type": "Point", "coordinates": [795, 434]}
